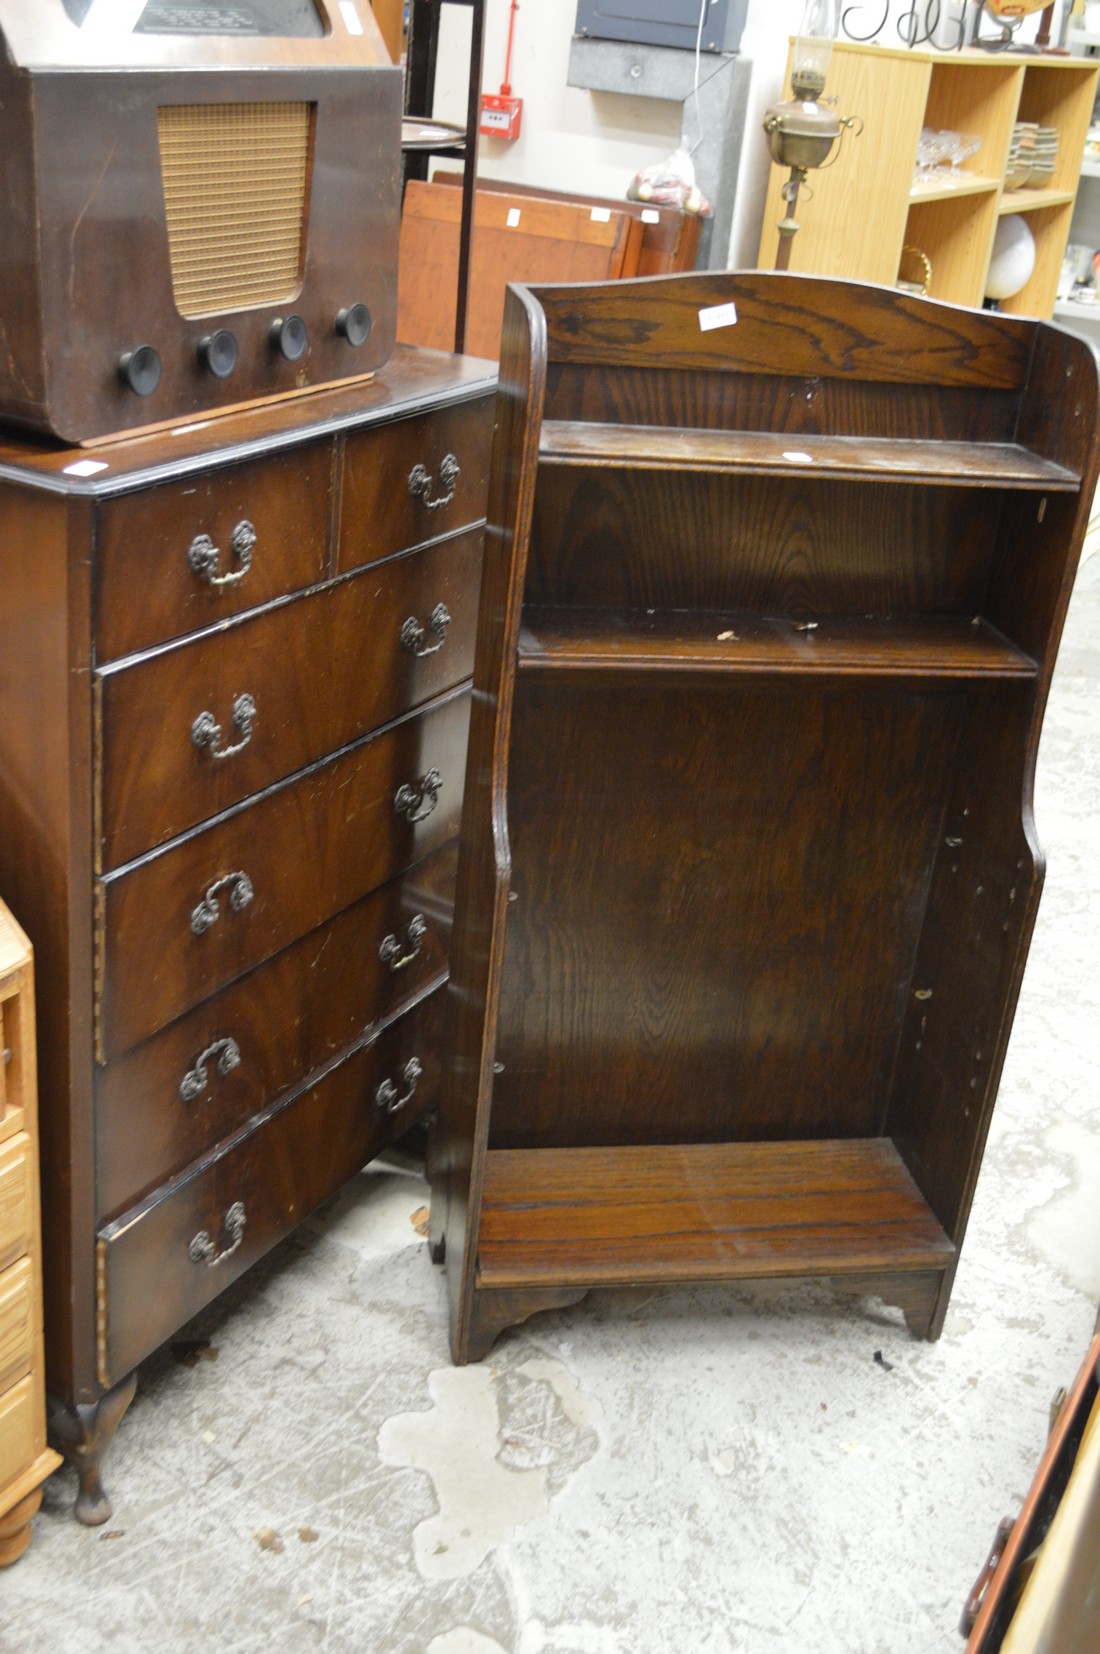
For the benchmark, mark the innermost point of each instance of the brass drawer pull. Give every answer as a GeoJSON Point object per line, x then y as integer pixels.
{"type": "Point", "coordinates": [203, 1250]}
{"type": "Point", "coordinates": [208, 911]}
{"type": "Point", "coordinates": [195, 1081]}
{"type": "Point", "coordinates": [387, 1095]}
{"type": "Point", "coordinates": [390, 950]}
{"type": "Point", "coordinates": [413, 635]}
{"type": "Point", "coordinates": [420, 483]}
{"type": "Point", "coordinates": [207, 732]}
{"type": "Point", "coordinates": [203, 555]}
{"type": "Point", "coordinates": [417, 803]}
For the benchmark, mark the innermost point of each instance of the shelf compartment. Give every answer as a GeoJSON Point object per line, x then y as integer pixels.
{"type": "Point", "coordinates": [1033, 200]}
{"type": "Point", "coordinates": [852, 458]}
{"type": "Point", "coordinates": [689, 641]}
{"type": "Point", "coordinates": [967, 183]}
{"type": "Point", "coordinates": [702, 1212]}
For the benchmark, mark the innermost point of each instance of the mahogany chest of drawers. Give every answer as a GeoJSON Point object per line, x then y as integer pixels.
{"type": "Point", "coordinates": [234, 696]}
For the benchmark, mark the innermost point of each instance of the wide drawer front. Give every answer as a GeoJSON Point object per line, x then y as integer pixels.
{"type": "Point", "coordinates": [410, 481]}
{"type": "Point", "coordinates": [161, 1106]}
{"type": "Point", "coordinates": [178, 926]}
{"type": "Point", "coordinates": [161, 1263]}
{"type": "Point", "coordinates": [15, 1199]}
{"type": "Point", "coordinates": [175, 558]}
{"type": "Point", "coordinates": [16, 1322]}
{"type": "Point", "coordinates": [192, 731]}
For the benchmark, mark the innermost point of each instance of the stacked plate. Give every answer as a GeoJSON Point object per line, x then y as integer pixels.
{"type": "Point", "coordinates": [1032, 156]}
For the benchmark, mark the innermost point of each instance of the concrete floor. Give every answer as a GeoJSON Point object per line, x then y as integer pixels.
{"type": "Point", "coordinates": [660, 1471]}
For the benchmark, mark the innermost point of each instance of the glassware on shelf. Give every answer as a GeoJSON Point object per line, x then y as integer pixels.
{"type": "Point", "coordinates": [940, 156]}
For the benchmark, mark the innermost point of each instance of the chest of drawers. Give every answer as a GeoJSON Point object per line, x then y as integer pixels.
{"type": "Point", "coordinates": [234, 697]}
{"type": "Point", "coordinates": [25, 1460]}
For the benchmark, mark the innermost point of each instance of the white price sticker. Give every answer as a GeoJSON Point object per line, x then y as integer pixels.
{"type": "Point", "coordinates": [513, 217]}
{"type": "Point", "coordinates": [717, 315]}
{"type": "Point", "coordinates": [601, 215]}
{"type": "Point", "coordinates": [353, 23]}
{"type": "Point", "coordinates": [86, 468]}
{"type": "Point", "coordinates": [650, 215]}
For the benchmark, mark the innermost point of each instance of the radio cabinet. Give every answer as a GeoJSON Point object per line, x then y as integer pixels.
{"type": "Point", "coordinates": [776, 572]}
{"type": "Point", "coordinates": [241, 921]}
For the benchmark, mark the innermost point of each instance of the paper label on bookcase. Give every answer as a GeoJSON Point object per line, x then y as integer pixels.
{"type": "Point", "coordinates": [717, 315]}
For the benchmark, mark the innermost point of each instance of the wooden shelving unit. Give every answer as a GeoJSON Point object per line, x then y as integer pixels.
{"type": "Point", "coordinates": [776, 570]}
{"type": "Point", "coordinates": [866, 208]}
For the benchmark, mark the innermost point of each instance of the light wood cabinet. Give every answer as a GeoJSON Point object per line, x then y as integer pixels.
{"type": "Point", "coordinates": [865, 207]}
{"type": "Point", "coordinates": [25, 1460]}
{"type": "Point", "coordinates": [775, 571]}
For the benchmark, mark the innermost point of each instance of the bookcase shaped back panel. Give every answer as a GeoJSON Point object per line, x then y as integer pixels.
{"type": "Point", "coordinates": [775, 576]}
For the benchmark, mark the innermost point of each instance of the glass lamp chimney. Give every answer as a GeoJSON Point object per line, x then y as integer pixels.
{"type": "Point", "coordinates": [813, 48]}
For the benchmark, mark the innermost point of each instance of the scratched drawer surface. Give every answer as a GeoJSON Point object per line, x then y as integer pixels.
{"type": "Point", "coordinates": [176, 926]}
{"type": "Point", "coordinates": [188, 554]}
{"type": "Point", "coordinates": [177, 1095]}
{"type": "Point", "coordinates": [165, 1259]}
{"type": "Point", "coordinates": [191, 730]}
{"type": "Point", "coordinates": [408, 482]}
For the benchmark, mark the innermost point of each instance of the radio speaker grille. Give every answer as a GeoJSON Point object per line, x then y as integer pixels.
{"type": "Point", "coordinates": [236, 180]}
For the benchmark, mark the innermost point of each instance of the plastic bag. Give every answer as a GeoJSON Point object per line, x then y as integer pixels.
{"type": "Point", "coordinates": [670, 183]}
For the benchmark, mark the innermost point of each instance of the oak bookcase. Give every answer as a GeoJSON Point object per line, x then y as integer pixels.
{"type": "Point", "coordinates": [776, 569]}
{"type": "Point", "coordinates": [866, 207]}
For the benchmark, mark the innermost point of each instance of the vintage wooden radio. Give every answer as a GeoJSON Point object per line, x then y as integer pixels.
{"type": "Point", "coordinates": [200, 206]}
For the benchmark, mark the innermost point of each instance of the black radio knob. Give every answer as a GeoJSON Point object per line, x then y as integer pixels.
{"type": "Point", "coordinates": [289, 337]}
{"type": "Point", "coordinates": [218, 353]}
{"type": "Point", "coordinates": [354, 324]}
{"type": "Point", "coordinates": [140, 369]}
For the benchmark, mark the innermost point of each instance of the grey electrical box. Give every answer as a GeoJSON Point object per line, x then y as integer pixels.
{"type": "Point", "coordinates": [665, 22]}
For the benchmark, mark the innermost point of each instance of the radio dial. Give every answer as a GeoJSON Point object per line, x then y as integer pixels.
{"type": "Point", "coordinates": [354, 324]}
{"type": "Point", "coordinates": [140, 369]}
{"type": "Point", "coordinates": [218, 353]}
{"type": "Point", "coordinates": [290, 337]}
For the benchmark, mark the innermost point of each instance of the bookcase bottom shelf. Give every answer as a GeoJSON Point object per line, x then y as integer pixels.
{"type": "Point", "coordinates": [588, 1217]}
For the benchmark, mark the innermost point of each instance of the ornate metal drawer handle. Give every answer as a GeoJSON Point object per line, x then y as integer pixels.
{"type": "Point", "coordinates": [203, 1250]}
{"type": "Point", "coordinates": [207, 732]}
{"type": "Point", "coordinates": [387, 1095]}
{"type": "Point", "coordinates": [203, 555]}
{"type": "Point", "coordinates": [417, 803]}
{"type": "Point", "coordinates": [195, 1081]}
{"type": "Point", "coordinates": [420, 483]}
{"type": "Point", "coordinates": [208, 911]}
{"type": "Point", "coordinates": [413, 635]}
{"type": "Point", "coordinates": [390, 950]}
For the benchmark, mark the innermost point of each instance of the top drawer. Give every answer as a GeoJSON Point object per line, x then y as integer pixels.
{"type": "Point", "coordinates": [185, 555]}
{"type": "Point", "coordinates": [414, 480]}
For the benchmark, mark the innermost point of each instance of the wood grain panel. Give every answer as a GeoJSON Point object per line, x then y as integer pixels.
{"type": "Point", "coordinates": [696, 1212]}
{"type": "Point", "coordinates": [18, 1303]}
{"type": "Point", "coordinates": [336, 987]}
{"type": "Point", "coordinates": [16, 1212]}
{"type": "Point", "coordinates": [147, 590]}
{"type": "Point", "coordinates": [737, 969]}
{"type": "Point", "coordinates": [804, 323]}
{"type": "Point", "coordinates": [515, 239]}
{"type": "Point", "coordinates": [322, 670]}
{"type": "Point", "coordinates": [309, 848]}
{"type": "Point", "coordinates": [280, 1170]}
{"type": "Point", "coordinates": [380, 513]}
{"type": "Point", "coordinates": [784, 545]}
